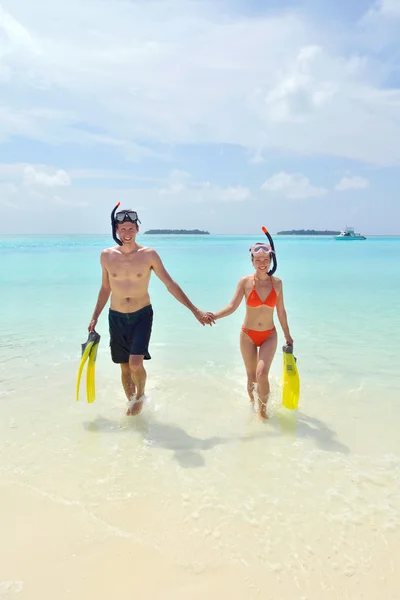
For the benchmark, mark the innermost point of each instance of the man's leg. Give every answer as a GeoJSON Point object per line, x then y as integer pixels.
{"type": "Point", "coordinates": [119, 346]}
{"type": "Point", "coordinates": [266, 355]}
{"type": "Point", "coordinates": [127, 381]}
{"type": "Point", "coordinates": [139, 376]}
{"type": "Point", "coordinates": [140, 351]}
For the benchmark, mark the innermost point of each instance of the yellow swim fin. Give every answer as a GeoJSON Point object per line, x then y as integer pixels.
{"type": "Point", "coordinates": [90, 375]}
{"type": "Point", "coordinates": [89, 353]}
{"type": "Point", "coordinates": [290, 380]}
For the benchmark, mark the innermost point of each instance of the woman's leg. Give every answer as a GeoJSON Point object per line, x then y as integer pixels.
{"type": "Point", "coordinates": [266, 356]}
{"type": "Point", "coordinates": [249, 354]}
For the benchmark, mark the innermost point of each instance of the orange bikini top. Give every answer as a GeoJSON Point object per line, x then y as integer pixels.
{"type": "Point", "coordinates": [254, 300]}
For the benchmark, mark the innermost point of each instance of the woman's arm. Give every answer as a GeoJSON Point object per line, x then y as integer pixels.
{"type": "Point", "coordinates": [233, 304]}
{"type": "Point", "coordinates": [281, 312]}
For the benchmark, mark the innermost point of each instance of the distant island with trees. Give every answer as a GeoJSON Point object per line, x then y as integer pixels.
{"type": "Point", "coordinates": [308, 232]}
{"type": "Point", "coordinates": [177, 231]}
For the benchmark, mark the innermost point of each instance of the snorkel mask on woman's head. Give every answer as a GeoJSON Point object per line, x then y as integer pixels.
{"type": "Point", "coordinates": [121, 217]}
{"type": "Point", "coordinates": [259, 248]}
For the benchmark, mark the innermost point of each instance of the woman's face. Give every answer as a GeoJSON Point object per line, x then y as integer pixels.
{"type": "Point", "coordinates": [261, 261]}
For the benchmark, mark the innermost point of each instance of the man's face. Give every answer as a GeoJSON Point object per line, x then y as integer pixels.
{"type": "Point", "coordinates": [127, 231]}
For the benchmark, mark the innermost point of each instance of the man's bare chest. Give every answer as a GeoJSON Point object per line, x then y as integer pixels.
{"type": "Point", "coordinates": [128, 269]}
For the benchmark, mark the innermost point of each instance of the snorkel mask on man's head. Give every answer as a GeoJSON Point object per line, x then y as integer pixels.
{"type": "Point", "coordinates": [120, 217]}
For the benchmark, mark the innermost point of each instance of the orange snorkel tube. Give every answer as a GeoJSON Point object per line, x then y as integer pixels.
{"type": "Point", "coordinates": [273, 256]}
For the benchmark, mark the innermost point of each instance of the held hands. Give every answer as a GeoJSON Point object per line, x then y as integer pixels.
{"type": "Point", "coordinates": [204, 318]}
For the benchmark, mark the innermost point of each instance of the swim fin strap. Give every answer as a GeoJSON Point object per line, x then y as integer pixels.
{"type": "Point", "coordinates": [290, 379]}
{"type": "Point", "coordinates": [89, 354]}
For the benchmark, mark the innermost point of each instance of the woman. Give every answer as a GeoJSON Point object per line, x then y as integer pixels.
{"type": "Point", "coordinates": [258, 337]}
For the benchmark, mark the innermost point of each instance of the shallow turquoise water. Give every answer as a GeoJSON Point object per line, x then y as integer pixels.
{"type": "Point", "coordinates": [342, 299]}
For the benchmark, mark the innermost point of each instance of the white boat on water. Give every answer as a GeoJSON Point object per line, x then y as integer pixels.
{"type": "Point", "coordinates": [348, 234]}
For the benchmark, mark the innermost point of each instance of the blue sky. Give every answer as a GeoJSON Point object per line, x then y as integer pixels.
{"type": "Point", "coordinates": [220, 115]}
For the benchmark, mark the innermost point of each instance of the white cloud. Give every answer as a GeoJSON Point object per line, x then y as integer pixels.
{"type": "Point", "coordinates": [163, 73]}
{"type": "Point", "coordinates": [99, 174]}
{"type": "Point", "coordinates": [293, 186]}
{"type": "Point", "coordinates": [181, 183]}
{"type": "Point", "coordinates": [35, 176]}
{"type": "Point", "coordinates": [235, 194]}
{"type": "Point", "coordinates": [386, 8]}
{"type": "Point", "coordinates": [177, 182]}
{"type": "Point", "coordinates": [352, 183]}
{"type": "Point", "coordinates": [257, 159]}
{"type": "Point", "coordinates": [66, 202]}
{"type": "Point", "coordinates": [23, 185]}
{"type": "Point", "coordinates": [11, 171]}
{"type": "Point", "coordinates": [35, 187]}
{"type": "Point", "coordinates": [8, 192]}
{"type": "Point", "coordinates": [299, 93]}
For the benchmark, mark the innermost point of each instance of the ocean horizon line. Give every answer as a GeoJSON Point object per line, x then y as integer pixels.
{"type": "Point", "coordinates": [387, 235]}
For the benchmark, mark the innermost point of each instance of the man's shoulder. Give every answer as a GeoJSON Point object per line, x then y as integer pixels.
{"type": "Point", "coordinates": [146, 248]}
{"type": "Point", "coordinates": [148, 251]}
{"type": "Point", "coordinates": [109, 254]}
{"type": "Point", "coordinates": [107, 251]}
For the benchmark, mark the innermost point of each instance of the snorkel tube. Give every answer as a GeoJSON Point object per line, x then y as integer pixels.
{"type": "Point", "coordinates": [114, 226]}
{"type": "Point", "coordinates": [273, 256]}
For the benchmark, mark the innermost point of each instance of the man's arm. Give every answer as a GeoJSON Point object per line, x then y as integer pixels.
{"type": "Point", "coordinates": [104, 293]}
{"type": "Point", "coordinates": [175, 289]}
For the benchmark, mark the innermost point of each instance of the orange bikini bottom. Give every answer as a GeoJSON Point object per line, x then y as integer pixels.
{"type": "Point", "coordinates": [258, 337]}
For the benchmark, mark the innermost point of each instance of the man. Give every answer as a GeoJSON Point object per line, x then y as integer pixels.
{"type": "Point", "coordinates": [126, 270]}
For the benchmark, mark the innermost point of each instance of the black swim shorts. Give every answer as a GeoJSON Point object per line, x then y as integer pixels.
{"type": "Point", "coordinates": [130, 333]}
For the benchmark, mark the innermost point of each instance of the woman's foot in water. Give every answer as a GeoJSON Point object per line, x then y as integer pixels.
{"type": "Point", "coordinates": [262, 408]}
{"type": "Point", "coordinates": [251, 386]}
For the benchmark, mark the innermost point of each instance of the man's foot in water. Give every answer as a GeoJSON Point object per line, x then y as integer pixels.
{"type": "Point", "coordinates": [135, 406]}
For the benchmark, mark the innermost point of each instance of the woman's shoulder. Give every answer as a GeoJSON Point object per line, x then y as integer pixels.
{"type": "Point", "coordinates": [276, 281]}
{"type": "Point", "coordinates": [243, 281]}
{"type": "Point", "coordinates": [246, 278]}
